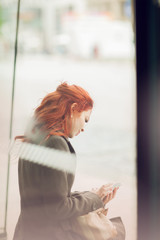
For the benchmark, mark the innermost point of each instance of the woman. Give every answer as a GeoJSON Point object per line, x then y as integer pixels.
{"type": "Point", "coordinates": [46, 198]}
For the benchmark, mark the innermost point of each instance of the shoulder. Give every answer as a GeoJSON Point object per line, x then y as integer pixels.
{"type": "Point", "coordinates": [57, 142]}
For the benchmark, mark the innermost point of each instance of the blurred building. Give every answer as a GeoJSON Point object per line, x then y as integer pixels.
{"type": "Point", "coordinates": [118, 9]}
{"type": "Point", "coordinates": [81, 28]}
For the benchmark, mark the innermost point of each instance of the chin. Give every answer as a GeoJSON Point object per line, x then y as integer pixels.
{"type": "Point", "coordinates": [71, 135]}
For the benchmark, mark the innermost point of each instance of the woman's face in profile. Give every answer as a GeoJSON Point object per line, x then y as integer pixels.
{"type": "Point", "coordinates": [77, 122]}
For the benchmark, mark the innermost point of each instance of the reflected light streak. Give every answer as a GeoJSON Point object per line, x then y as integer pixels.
{"type": "Point", "coordinates": [42, 155]}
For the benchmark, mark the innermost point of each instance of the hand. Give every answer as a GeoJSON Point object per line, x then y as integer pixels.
{"type": "Point", "coordinates": [106, 193]}
{"type": "Point", "coordinates": [104, 211]}
{"type": "Point", "coordinates": [110, 195]}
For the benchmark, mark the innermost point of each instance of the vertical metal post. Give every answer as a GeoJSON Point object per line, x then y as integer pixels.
{"type": "Point", "coordinates": [11, 114]}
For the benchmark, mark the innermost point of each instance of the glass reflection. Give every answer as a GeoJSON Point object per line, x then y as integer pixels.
{"type": "Point", "coordinates": [90, 43]}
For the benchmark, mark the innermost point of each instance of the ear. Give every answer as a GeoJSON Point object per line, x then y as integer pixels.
{"type": "Point", "coordinates": [74, 107]}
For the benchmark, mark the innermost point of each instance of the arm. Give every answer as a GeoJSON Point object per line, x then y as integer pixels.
{"type": "Point", "coordinates": [54, 188]}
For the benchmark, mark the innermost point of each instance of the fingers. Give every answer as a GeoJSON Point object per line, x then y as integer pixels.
{"type": "Point", "coordinates": [99, 210]}
{"type": "Point", "coordinates": [106, 192]}
{"type": "Point", "coordinates": [108, 198]}
{"type": "Point", "coordinates": [105, 211]}
{"type": "Point", "coordinates": [115, 191]}
{"type": "Point", "coordinates": [110, 195]}
{"type": "Point", "coordinates": [106, 189]}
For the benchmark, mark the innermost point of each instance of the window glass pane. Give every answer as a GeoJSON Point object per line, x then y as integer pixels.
{"type": "Point", "coordinates": [7, 38]}
{"type": "Point", "coordinates": [91, 44]}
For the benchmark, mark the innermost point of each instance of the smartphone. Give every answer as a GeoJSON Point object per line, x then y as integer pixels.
{"type": "Point", "coordinates": [116, 185]}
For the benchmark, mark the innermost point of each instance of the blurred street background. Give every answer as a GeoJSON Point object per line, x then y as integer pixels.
{"type": "Point", "coordinates": [85, 42]}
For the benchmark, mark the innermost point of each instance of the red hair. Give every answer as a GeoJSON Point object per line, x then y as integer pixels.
{"type": "Point", "coordinates": [55, 108]}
